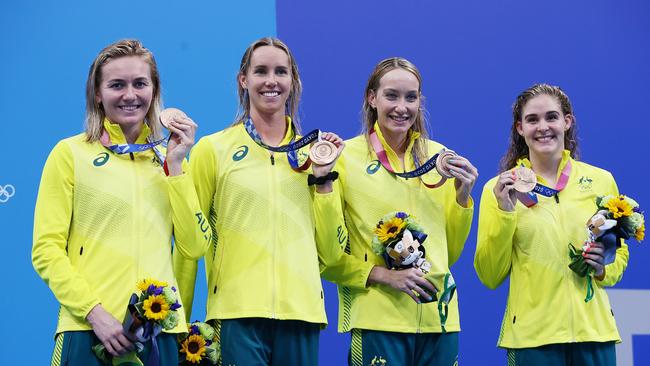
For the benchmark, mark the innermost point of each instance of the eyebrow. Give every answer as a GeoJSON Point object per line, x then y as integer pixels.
{"type": "Point", "coordinates": [391, 90]}
{"type": "Point", "coordinates": [140, 78]}
{"type": "Point", "coordinates": [535, 114]}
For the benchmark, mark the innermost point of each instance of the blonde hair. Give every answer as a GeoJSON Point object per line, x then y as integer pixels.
{"type": "Point", "coordinates": [369, 113]}
{"type": "Point", "coordinates": [518, 148]}
{"type": "Point", "coordinates": [243, 112]}
{"type": "Point", "coordinates": [95, 111]}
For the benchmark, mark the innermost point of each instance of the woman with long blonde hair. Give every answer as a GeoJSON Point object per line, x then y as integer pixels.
{"type": "Point", "coordinates": [393, 314]}
{"type": "Point", "coordinates": [107, 212]}
{"type": "Point", "coordinates": [264, 291]}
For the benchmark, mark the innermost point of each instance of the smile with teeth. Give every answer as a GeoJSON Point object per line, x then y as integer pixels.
{"type": "Point", "coordinates": [271, 93]}
{"type": "Point", "coordinates": [129, 108]}
{"type": "Point", "coordinates": [399, 118]}
{"type": "Point", "coordinates": [545, 138]}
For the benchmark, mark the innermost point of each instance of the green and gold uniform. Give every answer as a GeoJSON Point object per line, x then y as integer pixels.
{"type": "Point", "coordinates": [530, 245]}
{"type": "Point", "coordinates": [104, 221]}
{"type": "Point", "coordinates": [365, 192]}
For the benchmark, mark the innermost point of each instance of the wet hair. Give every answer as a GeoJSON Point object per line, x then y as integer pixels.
{"type": "Point", "coordinates": [95, 113]}
{"type": "Point", "coordinates": [293, 101]}
{"type": "Point", "coordinates": [369, 113]}
{"type": "Point", "coordinates": [518, 148]}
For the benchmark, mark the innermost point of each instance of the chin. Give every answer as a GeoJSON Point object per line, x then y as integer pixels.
{"type": "Point", "coordinates": [547, 150]}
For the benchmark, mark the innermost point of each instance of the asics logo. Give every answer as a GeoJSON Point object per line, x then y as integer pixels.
{"type": "Point", "coordinates": [101, 159]}
{"type": "Point", "coordinates": [241, 153]}
{"type": "Point", "coordinates": [373, 167]}
{"type": "Point", "coordinates": [6, 192]}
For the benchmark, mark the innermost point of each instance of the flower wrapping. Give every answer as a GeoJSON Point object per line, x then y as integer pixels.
{"type": "Point", "coordinates": [199, 347]}
{"type": "Point", "coordinates": [148, 313]}
{"type": "Point", "coordinates": [617, 218]}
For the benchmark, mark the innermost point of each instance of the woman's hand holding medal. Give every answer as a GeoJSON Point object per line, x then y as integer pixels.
{"type": "Point", "coordinates": [180, 142]}
{"type": "Point", "coordinates": [520, 179]}
{"type": "Point", "coordinates": [465, 173]}
{"type": "Point", "coordinates": [323, 155]}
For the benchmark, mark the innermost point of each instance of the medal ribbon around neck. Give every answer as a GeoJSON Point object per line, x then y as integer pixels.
{"type": "Point", "coordinates": [120, 149]}
{"type": "Point", "coordinates": [530, 199]}
{"type": "Point", "coordinates": [420, 169]}
{"type": "Point", "coordinates": [290, 148]}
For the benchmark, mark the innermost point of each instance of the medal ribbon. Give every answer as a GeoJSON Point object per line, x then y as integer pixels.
{"type": "Point", "coordinates": [420, 169]}
{"type": "Point", "coordinates": [120, 149]}
{"type": "Point", "coordinates": [290, 148]}
{"type": "Point", "coordinates": [530, 199]}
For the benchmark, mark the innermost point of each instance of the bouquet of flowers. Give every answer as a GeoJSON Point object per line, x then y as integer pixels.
{"type": "Point", "coordinates": [398, 239]}
{"type": "Point", "coordinates": [199, 347]}
{"type": "Point", "coordinates": [149, 312]}
{"type": "Point", "coordinates": [616, 218]}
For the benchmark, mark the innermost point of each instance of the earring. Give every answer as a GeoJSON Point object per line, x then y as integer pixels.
{"type": "Point", "coordinates": [245, 96]}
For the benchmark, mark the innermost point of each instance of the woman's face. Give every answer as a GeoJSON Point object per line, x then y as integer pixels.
{"type": "Point", "coordinates": [543, 126]}
{"type": "Point", "coordinates": [125, 90]}
{"type": "Point", "coordinates": [268, 80]}
{"type": "Point", "coordinates": [397, 101]}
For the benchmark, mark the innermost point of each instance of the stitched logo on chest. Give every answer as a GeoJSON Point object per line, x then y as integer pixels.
{"type": "Point", "coordinates": [101, 159]}
{"type": "Point", "coordinates": [585, 183]}
{"type": "Point", "coordinates": [241, 153]}
{"type": "Point", "coordinates": [373, 167]}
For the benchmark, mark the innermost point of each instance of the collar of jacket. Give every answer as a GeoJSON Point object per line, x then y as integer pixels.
{"type": "Point", "coordinates": [392, 155]}
{"type": "Point", "coordinates": [117, 136]}
{"type": "Point", "coordinates": [566, 157]}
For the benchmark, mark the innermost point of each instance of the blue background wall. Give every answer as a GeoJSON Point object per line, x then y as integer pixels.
{"type": "Point", "coordinates": [475, 57]}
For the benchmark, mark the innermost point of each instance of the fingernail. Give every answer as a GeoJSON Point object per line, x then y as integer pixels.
{"type": "Point", "coordinates": [430, 298]}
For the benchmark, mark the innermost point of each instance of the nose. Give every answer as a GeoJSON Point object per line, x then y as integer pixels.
{"type": "Point", "coordinates": [271, 80]}
{"type": "Point", "coordinates": [542, 125]}
{"type": "Point", "coordinates": [401, 106]}
{"type": "Point", "coordinates": [129, 93]}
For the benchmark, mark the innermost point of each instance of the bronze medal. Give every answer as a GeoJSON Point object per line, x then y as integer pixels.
{"type": "Point", "coordinates": [442, 163]}
{"type": "Point", "coordinates": [170, 114]}
{"type": "Point", "coordinates": [323, 152]}
{"type": "Point", "coordinates": [525, 179]}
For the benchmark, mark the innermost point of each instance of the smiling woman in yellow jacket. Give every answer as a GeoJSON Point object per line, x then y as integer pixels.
{"type": "Point", "coordinates": [547, 321]}
{"type": "Point", "coordinates": [105, 220]}
{"type": "Point", "coordinates": [388, 311]}
{"type": "Point", "coordinates": [264, 290]}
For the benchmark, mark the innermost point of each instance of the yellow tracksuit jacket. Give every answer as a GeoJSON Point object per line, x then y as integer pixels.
{"type": "Point", "coordinates": [365, 192]}
{"type": "Point", "coordinates": [546, 298]}
{"type": "Point", "coordinates": [264, 261]}
{"type": "Point", "coordinates": [104, 221]}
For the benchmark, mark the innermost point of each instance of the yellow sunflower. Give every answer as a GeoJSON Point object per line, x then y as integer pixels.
{"type": "Point", "coordinates": [619, 207]}
{"type": "Point", "coordinates": [389, 229]}
{"type": "Point", "coordinates": [144, 284]}
{"type": "Point", "coordinates": [155, 307]}
{"type": "Point", "coordinates": [194, 348]}
{"type": "Point", "coordinates": [640, 233]}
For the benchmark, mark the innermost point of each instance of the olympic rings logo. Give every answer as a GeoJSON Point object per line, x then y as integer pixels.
{"type": "Point", "coordinates": [6, 192]}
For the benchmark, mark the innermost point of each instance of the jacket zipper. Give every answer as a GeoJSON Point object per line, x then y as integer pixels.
{"type": "Point", "coordinates": [274, 241]}
{"type": "Point", "coordinates": [567, 270]}
{"type": "Point", "coordinates": [136, 208]}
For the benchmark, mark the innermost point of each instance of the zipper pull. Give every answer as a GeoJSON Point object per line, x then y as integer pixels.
{"type": "Point", "coordinates": [272, 160]}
